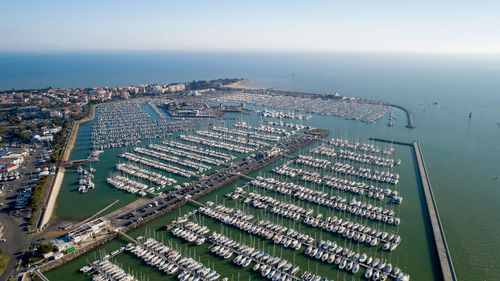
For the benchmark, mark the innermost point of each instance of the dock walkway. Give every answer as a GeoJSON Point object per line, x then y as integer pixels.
{"type": "Point", "coordinates": [40, 275]}
{"type": "Point", "coordinates": [303, 214]}
{"type": "Point", "coordinates": [255, 223]}
{"type": "Point", "coordinates": [235, 250]}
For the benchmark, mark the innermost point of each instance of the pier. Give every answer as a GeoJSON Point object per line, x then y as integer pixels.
{"type": "Point", "coordinates": [445, 261]}
{"type": "Point", "coordinates": [40, 275]}
{"type": "Point", "coordinates": [411, 121]}
{"type": "Point", "coordinates": [95, 215]}
{"type": "Point", "coordinates": [130, 238]}
{"type": "Point", "coordinates": [74, 163]}
{"type": "Point", "coordinates": [242, 253]}
{"type": "Point", "coordinates": [444, 256]}
{"type": "Point", "coordinates": [262, 229]}
{"type": "Point", "coordinates": [283, 206]}
{"type": "Point", "coordinates": [391, 141]}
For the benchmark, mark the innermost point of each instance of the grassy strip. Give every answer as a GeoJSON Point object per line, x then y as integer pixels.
{"type": "Point", "coordinates": [3, 263]}
{"type": "Point", "coordinates": [36, 196]}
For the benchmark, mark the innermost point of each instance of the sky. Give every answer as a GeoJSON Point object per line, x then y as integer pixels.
{"type": "Point", "coordinates": [422, 26]}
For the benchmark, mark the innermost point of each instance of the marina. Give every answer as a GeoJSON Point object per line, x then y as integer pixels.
{"type": "Point", "coordinates": [129, 185]}
{"type": "Point", "coordinates": [363, 147]}
{"type": "Point", "coordinates": [208, 152]}
{"type": "Point", "coordinates": [356, 157]}
{"type": "Point", "coordinates": [170, 261]}
{"type": "Point", "coordinates": [158, 165]}
{"type": "Point", "coordinates": [289, 238]}
{"type": "Point", "coordinates": [172, 159]}
{"type": "Point", "coordinates": [435, 90]}
{"type": "Point", "coordinates": [355, 207]}
{"type": "Point", "coordinates": [126, 123]}
{"type": "Point", "coordinates": [153, 177]}
{"type": "Point", "coordinates": [232, 139]}
{"type": "Point", "coordinates": [216, 144]}
{"type": "Point", "coordinates": [341, 226]}
{"type": "Point", "coordinates": [329, 105]}
{"type": "Point", "coordinates": [269, 129]}
{"type": "Point", "coordinates": [106, 270]}
{"type": "Point", "coordinates": [186, 154]}
{"type": "Point", "coordinates": [337, 167]}
{"type": "Point", "coordinates": [328, 207]}
{"type": "Point", "coordinates": [85, 182]}
{"type": "Point", "coordinates": [247, 134]}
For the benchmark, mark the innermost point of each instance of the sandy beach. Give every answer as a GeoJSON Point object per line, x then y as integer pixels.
{"type": "Point", "coordinates": [239, 85]}
{"type": "Point", "coordinates": [53, 197]}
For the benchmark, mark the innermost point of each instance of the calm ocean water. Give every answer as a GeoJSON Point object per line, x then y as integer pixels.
{"type": "Point", "coordinates": [463, 156]}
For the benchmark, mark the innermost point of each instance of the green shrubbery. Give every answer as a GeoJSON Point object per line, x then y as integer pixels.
{"type": "Point", "coordinates": [60, 138]}
{"type": "Point", "coordinates": [36, 196]}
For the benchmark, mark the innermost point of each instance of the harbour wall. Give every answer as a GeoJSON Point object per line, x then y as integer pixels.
{"type": "Point", "coordinates": [81, 251]}
{"type": "Point", "coordinates": [443, 252]}
{"type": "Point", "coordinates": [409, 115]}
{"type": "Point", "coordinates": [445, 261]}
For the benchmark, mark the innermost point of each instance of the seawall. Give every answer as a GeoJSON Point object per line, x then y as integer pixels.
{"type": "Point", "coordinates": [444, 256]}
{"type": "Point", "coordinates": [445, 261]}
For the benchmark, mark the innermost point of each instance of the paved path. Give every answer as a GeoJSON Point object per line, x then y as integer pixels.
{"type": "Point", "coordinates": [53, 197]}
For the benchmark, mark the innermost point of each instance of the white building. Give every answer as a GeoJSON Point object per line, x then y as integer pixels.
{"type": "Point", "coordinates": [88, 230]}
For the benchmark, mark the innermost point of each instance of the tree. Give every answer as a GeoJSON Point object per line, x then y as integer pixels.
{"type": "Point", "coordinates": [45, 248]}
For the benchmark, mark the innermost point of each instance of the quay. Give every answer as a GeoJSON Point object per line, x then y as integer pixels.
{"type": "Point", "coordinates": [444, 256]}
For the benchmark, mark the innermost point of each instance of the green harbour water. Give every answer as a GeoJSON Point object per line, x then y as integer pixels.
{"type": "Point", "coordinates": [414, 255]}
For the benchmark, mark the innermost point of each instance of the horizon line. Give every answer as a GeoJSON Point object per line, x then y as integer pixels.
{"type": "Point", "coordinates": [282, 51]}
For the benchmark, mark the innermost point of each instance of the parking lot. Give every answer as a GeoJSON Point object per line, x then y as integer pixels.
{"type": "Point", "coordinates": [15, 220]}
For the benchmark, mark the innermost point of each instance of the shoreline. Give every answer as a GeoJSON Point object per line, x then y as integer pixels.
{"type": "Point", "coordinates": [57, 184]}
{"type": "Point", "coordinates": [238, 85]}
{"type": "Point", "coordinates": [70, 144]}
{"type": "Point", "coordinates": [51, 203]}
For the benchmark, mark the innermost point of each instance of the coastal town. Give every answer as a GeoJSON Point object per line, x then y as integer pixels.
{"type": "Point", "coordinates": [249, 140]}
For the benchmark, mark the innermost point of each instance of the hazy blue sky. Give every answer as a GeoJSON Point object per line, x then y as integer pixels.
{"type": "Point", "coordinates": [371, 25]}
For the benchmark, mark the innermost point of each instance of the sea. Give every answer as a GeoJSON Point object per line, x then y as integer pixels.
{"type": "Point", "coordinates": [462, 154]}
